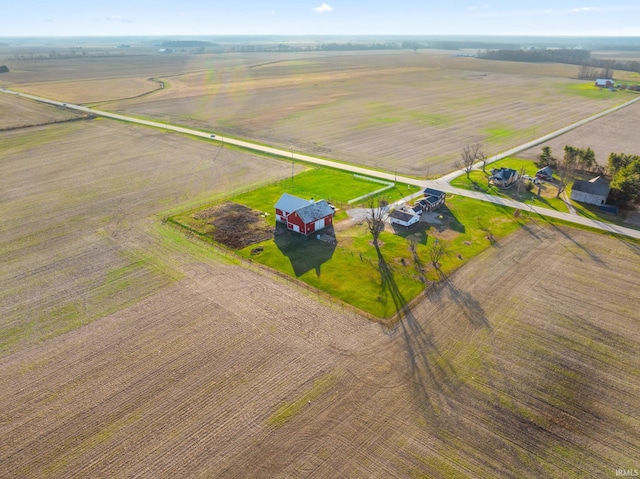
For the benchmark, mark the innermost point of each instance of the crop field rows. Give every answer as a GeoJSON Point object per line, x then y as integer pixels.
{"type": "Point", "coordinates": [19, 113]}
{"type": "Point", "coordinates": [130, 349]}
{"type": "Point", "coordinates": [72, 208]}
{"type": "Point", "coordinates": [492, 384]}
{"type": "Point", "coordinates": [614, 133]}
{"type": "Point", "coordinates": [414, 114]}
{"type": "Point", "coordinates": [476, 381]}
{"type": "Point", "coordinates": [172, 376]}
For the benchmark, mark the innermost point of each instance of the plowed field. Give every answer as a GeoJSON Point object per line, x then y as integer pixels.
{"type": "Point", "coordinates": [394, 111]}
{"type": "Point", "coordinates": [75, 198]}
{"type": "Point", "coordinates": [130, 350]}
{"type": "Point", "coordinates": [228, 373]}
{"type": "Point", "coordinates": [20, 113]}
{"type": "Point", "coordinates": [614, 133]}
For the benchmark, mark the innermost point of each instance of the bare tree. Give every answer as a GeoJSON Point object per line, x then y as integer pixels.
{"type": "Point", "coordinates": [566, 168]}
{"type": "Point", "coordinates": [587, 72]}
{"type": "Point", "coordinates": [470, 154]}
{"type": "Point", "coordinates": [520, 181]}
{"type": "Point", "coordinates": [436, 252]}
{"type": "Point", "coordinates": [483, 158]}
{"type": "Point", "coordinates": [377, 214]}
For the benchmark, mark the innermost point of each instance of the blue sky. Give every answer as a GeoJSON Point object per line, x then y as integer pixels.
{"type": "Point", "coordinates": [318, 17]}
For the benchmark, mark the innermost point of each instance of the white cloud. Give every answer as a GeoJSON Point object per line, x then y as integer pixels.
{"type": "Point", "coordinates": [585, 9]}
{"type": "Point", "coordinates": [118, 18]}
{"type": "Point", "coordinates": [478, 7]}
{"type": "Point", "coordinates": [271, 13]}
{"type": "Point", "coordinates": [324, 8]}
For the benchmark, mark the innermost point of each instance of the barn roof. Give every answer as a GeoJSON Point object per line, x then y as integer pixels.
{"type": "Point", "coordinates": [314, 211]}
{"type": "Point", "coordinates": [290, 203]}
{"type": "Point", "coordinates": [596, 186]}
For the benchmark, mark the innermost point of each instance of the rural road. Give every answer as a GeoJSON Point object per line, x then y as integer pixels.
{"type": "Point", "coordinates": [441, 183]}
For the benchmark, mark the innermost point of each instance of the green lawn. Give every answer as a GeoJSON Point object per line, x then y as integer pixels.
{"type": "Point", "coordinates": [589, 90]}
{"type": "Point", "coordinates": [335, 186]}
{"type": "Point", "coordinates": [379, 281]}
{"type": "Point", "coordinates": [547, 198]}
{"type": "Point", "coordinates": [382, 283]}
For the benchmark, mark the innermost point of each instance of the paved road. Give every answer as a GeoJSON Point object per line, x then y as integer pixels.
{"type": "Point", "coordinates": [440, 184]}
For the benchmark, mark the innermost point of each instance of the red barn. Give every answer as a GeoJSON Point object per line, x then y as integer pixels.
{"type": "Point", "coordinates": [605, 82]}
{"type": "Point", "coordinates": [303, 216]}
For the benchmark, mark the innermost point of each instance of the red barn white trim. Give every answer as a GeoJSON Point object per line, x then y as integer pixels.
{"type": "Point", "coordinates": [303, 216]}
{"type": "Point", "coordinates": [605, 82]}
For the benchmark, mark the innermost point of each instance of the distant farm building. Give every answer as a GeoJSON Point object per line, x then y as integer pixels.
{"type": "Point", "coordinates": [303, 216]}
{"type": "Point", "coordinates": [605, 82]}
{"type": "Point", "coordinates": [503, 177]}
{"type": "Point", "coordinates": [432, 199]}
{"type": "Point", "coordinates": [403, 218]}
{"type": "Point", "coordinates": [593, 192]}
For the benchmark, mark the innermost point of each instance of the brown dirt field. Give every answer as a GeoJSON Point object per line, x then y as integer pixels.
{"type": "Point", "coordinates": [391, 110]}
{"type": "Point", "coordinates": [20, 112]}
{"type": "Point", "coordinates": [480, 380]}
{"type": "Point", "coordinates": [73, 194]}
{"type": "Point", "coordinates": [614, 133]}
{"type": "Point", "coordinates": [128, 350]}
{"type": "Point", "coordinates": [405, 111]}
{"type": "Point", "coordinates": [92, 91]}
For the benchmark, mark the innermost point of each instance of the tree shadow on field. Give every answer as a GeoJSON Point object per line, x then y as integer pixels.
{"type": "Point", "coordinates": [488, 234]}
{"type": "Point", "coordinates": [435, 379]}
{"type": "Point", "coordinates": [590, 253]}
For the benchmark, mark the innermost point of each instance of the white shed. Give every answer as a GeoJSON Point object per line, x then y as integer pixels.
{"type": "Point", "coordinates": [403, 218]}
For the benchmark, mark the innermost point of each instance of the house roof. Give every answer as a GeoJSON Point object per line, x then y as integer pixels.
{"type": "Point", "coordinates": [595, 186]}
{"type": "Point", "coordinates": [314, 211]}
{"type": "Point", "coordinates": [401, 215]}
{"type": "Point", "coordinates": [432, 200]}
{"type": "Point", "coordinates": [290, 203]}
{"type": "Point", "coordinates": [432, 192]}
{"type": "Point", "coordinates": [503, 173]}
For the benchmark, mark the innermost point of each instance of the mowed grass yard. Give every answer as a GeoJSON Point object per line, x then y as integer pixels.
{"type": "Point", "coordinates": [478, 180]}
{"type": "Point", "coordinates": [382, 281]}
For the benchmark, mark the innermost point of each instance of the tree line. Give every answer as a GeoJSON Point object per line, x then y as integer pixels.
{"type": "Point", "coordinates": [590, 68]}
